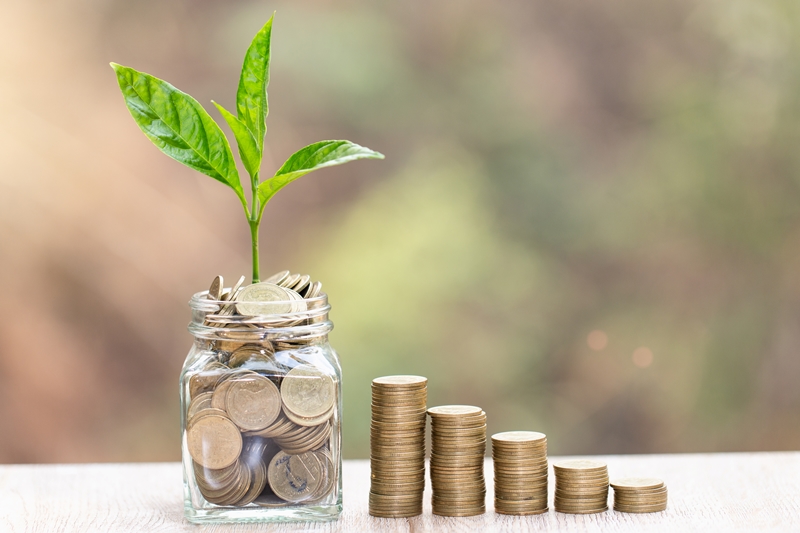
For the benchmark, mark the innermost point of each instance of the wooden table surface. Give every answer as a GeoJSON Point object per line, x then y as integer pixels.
{"type": "Point", "coordinates": [750, 492]}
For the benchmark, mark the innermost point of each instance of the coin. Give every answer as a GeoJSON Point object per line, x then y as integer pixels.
{"type": "Point", "coordinates": [636, 484]}
{"type": "Point", "coordinates": [252, 352]}
{"type": "Point", "coordinates": [278, 277]}
{"type": "Point", "coordinates": [289, 281]}
{"type": "Point", "coordinates": [214, 441]}
{"type": "Point", "coordinates": [200, 402]}
{"type": "Point", "coordinates": [308, 392]}
{"type": "Point", "coordinates": [400, 382]}
{"type": "Point", "coordinates": [581, 465]}
{"type": "Point", "coordinates": [267, 299]}
{"type": "Point", "coordinates": [252, 402]}
{"type": "Point", "coordinates": [294, 478]}
{"type": "Point", "coordinates": [231, 295]}
{"type": "Point", "coordinates": [308, 422]}
{"type": "Point", "coordinates": [215, 290]}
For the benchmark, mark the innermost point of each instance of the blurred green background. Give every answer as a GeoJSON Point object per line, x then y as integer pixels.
{"type": "Point", "coordinates": [587, 222]}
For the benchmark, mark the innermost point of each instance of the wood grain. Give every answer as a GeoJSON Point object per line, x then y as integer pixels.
{"type": "Point", "coordinates": [751, 492]}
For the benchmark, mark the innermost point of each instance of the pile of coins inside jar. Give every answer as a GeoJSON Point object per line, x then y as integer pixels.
{"type": "Point", "coordinates": [456, 465]}
{"type": "Point", "coordinates": [262, 414]}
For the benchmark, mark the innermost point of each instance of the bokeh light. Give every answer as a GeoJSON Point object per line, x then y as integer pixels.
{"type": "Point", "coordinates": [642, 357]}
{"type": "Point", "coordinates": [597, 340]}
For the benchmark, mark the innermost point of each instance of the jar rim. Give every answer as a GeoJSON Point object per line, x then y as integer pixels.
{"type": "Point", "coordinates": [201, 302]}
{"type": "Point", "coordinates": [310, 321]}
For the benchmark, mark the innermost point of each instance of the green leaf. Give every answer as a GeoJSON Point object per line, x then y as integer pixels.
{"type": "Point", "coordinates": [248, 149]}
{"type": "Point", "coordinates": [251, 96]}
{"type": "Point", "coordinates": [179, 126]}
{"type": "Point", "coordinates": [313, 157]}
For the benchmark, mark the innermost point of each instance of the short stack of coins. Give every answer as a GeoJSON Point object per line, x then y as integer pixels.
{"type": "Point", "coordinates": [520, 472]}
{"type": "Point", "coordinates": [639, 495]}
{"type": "Point", "coordinates": [261, 416]}
{"type": "Point", "coordinates": [458, 447]}
{"type": "Point", "coordinates": [581, 486]}
{"type": "Point", "coordinates": [397, 446]}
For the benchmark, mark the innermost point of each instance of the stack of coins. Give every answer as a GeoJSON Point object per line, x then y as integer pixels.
{"type": "Point", "coordinates": [581, 486]}
{"type": "Point", "coordinates": [397, 446]}
{"type": "Point", "coordinates": [639, 495]}
{"type": "Point", "coordinates": [520, 472]}
{"type": "Point", "coordinates": [458, 434]}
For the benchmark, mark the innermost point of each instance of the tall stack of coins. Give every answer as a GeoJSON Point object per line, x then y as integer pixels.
{"type": "Point", "coordinates": [639, 495]}
{"type": "Point", "coordinates": [520, 472]}
{"type": "Point", "coordinates": [397, 446]}
{"type": "Point", "coordinates": [581, 486]}
{"type": "Point", "coordinates": [458, 447]}
{"type": "Point", "coordinates": [261, 414]}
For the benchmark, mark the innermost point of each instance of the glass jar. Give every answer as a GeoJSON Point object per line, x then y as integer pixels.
{"type": "Point", "coordinates": [261, 411]}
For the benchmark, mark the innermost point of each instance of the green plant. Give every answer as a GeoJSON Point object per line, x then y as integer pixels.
{"type": "Point", "coordinates": [183, 130]}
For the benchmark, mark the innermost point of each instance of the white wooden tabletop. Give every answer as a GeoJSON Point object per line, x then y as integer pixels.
{"type": "Point", "coordinates": [749, 492]}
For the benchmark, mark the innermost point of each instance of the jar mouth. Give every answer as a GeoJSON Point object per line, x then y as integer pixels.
{"type": "Point", "coordinates": [303, 318]}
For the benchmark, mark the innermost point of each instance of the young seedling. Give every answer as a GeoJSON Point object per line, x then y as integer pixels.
{"type": "Point", "coordinates": [183, 130]}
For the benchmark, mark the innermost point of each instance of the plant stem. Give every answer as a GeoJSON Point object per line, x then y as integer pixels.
{"type": "Point", "coordinates": [254, 222]}
{"type": "Point", "coordinates": [254, 241]}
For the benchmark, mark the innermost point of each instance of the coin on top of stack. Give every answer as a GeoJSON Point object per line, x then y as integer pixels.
{"type": "Point", "coordinates": [639, 495]}
{"type": "Point", "coordinates": [581, 486]}
{"type": "Point", "coordinates": [520, 472]}
{"type": "Point", "coordinates": [458, 434]}
{"type": "Point", "coordinates": [397, 446]}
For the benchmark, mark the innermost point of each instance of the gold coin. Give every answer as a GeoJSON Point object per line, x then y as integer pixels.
{"type": "Point", "coordinates": [252, 402]}
{"type": "Point", "coordinates": [637, 483]}
{"type": "Point", "coordinates": [256, 486]}
{"type": "Point", "coordinates": [204, 381]}
{"type": "Point", "coordinates": [227, 296]}
{"type": "Point", "coordinates": [328, 476]}
{"type": "Point", "coordinates": [301, 284]}
{"type": "Point", "coordinates": [278, 277]}
{"type": "Point", "coordinates": [447, 511]}
{"type": "Point", "coordinates": [583, 465]}
{"type": "Point", "coordinates": [314, 290]}
{"type": "Point", "coordinates": [308, 422]}
{"type": "Point", "coordinates": [400, 382]}
{"type": "Point", "coordinates": [214, 441]}
{"type": "Point", "coordinates": [454, 411]}
{"type": "Point", "coordinates": [219, 397]}
{"type": "Point", "coordinates": [215, 290]}
{"type": "Point", "coordinates": [521, 512]}
{"type": "Point", "coordinates": [307, 391]}
{"type": "Point", "coordinates": [267, 299]}
{"type": "Point", "coordinates": [294, 478]}
{"type": "Point", "coordinates": [636, 509]}
{"type": "Point", "coordinates": [289, 280]}
{"type": "Point", "coordinates": [252, 352]}
{"type": "Point", "coordinates": [517, 438]}
{"type": "Point", "coordinates": [200, 402]}
{"type": "Point", "coordinates": [202, 413]}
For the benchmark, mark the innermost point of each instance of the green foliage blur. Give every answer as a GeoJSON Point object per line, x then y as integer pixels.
{"type": "Point", "coordinates": [568, 168]}
{"type": "Point", "coordinates": [587, 222]}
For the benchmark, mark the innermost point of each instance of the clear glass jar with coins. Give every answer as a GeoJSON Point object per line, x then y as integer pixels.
{"type": "Point", "coordinates": [261, 404]}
